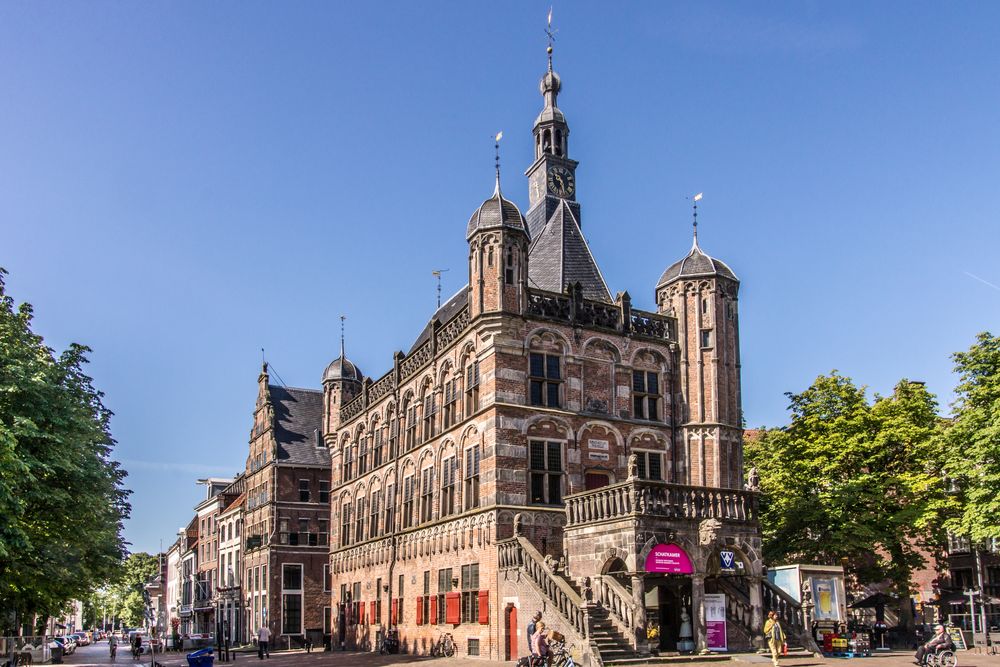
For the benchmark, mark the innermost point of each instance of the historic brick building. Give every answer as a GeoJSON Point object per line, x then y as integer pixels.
{"type": "Point", "coordinates": [544, 446]}
{"type": "Point", "coordinates": [286, 515]}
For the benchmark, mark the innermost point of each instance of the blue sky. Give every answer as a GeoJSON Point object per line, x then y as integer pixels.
{"type": "Point", "coordinates": [184, 183]}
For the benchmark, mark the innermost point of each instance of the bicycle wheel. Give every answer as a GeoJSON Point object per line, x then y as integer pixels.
{"type": "Point", "coordinates": [449, 649]}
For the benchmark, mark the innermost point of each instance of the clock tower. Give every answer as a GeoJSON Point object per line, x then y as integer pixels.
{"type": "Point", "coordinates": [552, 176]}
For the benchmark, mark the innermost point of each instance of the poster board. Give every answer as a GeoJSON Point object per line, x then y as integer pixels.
{"type": "Point", "coordinates": [715, 622]}
{"type": "Point", "coordinates": [825, 599]}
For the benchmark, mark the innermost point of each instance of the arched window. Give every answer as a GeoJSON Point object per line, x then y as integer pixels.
{"type": "Point", "coordinates": [347, 464]}
{"type": "Point", "coordinates": [430, 413]}
{"type": "Point", "coordinates": [471, 470]}
{"type": "Point", "coordinates": [449, 485]}
{"type": "Point", "coordinates": [558, 144]}
{"type": "Point", "coordinates": [545, 378]}
{"type": "Point", "coordinates": [451, 392]}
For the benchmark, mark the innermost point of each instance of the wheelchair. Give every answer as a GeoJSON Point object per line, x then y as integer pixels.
{"type": "Point", "coordinates": [944, 657]}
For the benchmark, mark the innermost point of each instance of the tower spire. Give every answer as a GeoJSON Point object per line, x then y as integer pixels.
{"type": "Point", "coordinates": [342, 318]}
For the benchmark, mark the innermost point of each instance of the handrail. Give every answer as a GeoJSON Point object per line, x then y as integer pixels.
{"type": "Point", "coordinates": [672, 501]}
{"type": "Point", "coordinates": [789, 612]}
{"type": "Point", "coordinates": [619, 603]}
{"type": "Point", "coordinates": [519, 553]}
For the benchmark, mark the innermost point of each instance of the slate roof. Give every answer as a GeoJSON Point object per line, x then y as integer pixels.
{"type": "Point", "coordinates": [342, 368]}
{"type": "Point", "coordinates": [448, 310]}
{"type": "Point", "coordinates": [298, 416]}
{"type": "Point", "coordinates": [696, 264]}
{"type": "Point", "coordinates": [559, 255]}
{"type": "Point", "coordinates": [494, 213]}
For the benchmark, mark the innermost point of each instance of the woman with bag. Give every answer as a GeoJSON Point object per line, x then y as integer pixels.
{"type": "Point", "coordinates": [775, 636]}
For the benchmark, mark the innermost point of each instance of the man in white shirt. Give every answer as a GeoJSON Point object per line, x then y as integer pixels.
{"type": "Point", "coordinates": [263, 637]}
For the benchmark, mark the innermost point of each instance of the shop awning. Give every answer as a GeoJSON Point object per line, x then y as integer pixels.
{"type": "Point", "coordinates": [875, 600]}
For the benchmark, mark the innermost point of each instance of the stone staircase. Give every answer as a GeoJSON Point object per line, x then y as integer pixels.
{"type": "Point", "coordinates": [613, 646]}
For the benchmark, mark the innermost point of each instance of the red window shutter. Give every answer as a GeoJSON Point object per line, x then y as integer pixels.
{"type": "Point", "coordinates": [484, 607]}
{"type": "Point", "coordinates": [420, 610]}
{"type": "Point", "coordinates": [393, 613]}
{"type": "Point", "coordinates": [374, 615]}
{"type": "Point", "coordinates": [434, 610]}
{"type": "Point", "coordinates": [453, 608]}
{"type": "Point", "coordinates": [361, 613]}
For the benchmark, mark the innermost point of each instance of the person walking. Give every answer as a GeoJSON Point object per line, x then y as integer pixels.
{"type": "Point", "coordinates": [263, 637]}
{"type": "Point", "coordinates": [540, 644]}
{"type": "Point", "coordinates": [775, 636]}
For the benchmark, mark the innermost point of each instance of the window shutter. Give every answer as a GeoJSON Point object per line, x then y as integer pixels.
{"type": "Point", "coordinates": [373, 614]}
{"type": "Point", "coordinates": [361, 613]}
{"type": "Point", "coordinates": [484, 607]}
{"type": "Point", "coordinates": [393, 613]}
{"type": "Point", "coordinates": [420, 610]}
{"type": "Point", "coordinates": [453, 608]}
{"type": "Point", "coordinates": [434, 610]}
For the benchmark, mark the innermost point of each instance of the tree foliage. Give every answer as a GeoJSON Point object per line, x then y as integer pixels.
{"type": "Point", "coordinates": [972, 439]}
{"type": "Point", "coordinates": [62, 503]}
{"type": "Point", "coordinates": [849, 479]}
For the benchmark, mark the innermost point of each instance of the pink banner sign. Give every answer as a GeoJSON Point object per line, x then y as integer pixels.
{"type": "Point", "coordinates": [668, 558]}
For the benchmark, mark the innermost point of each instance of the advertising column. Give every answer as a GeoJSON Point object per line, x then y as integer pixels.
{"type": "Point", "coordinates": [715, 622]}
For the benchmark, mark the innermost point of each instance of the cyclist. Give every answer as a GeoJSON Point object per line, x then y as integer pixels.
{"type": "Point", "coordinates": [113, 646]}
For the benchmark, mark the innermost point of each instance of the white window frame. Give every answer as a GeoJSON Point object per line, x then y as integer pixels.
{"type": "Point", "coordinates": [301, 592]}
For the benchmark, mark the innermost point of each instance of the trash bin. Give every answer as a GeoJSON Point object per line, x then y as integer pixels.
{"type": "Point", "coordinates": [201, 658]}
{"type": "Point", "coordinates": [57, 654]}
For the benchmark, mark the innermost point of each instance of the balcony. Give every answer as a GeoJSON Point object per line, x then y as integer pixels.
{"type": "Point", "coordinates": [635, 498]}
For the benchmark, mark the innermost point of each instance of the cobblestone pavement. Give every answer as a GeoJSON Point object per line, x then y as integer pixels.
{"type": "Point", "coordinates": [97, 654]}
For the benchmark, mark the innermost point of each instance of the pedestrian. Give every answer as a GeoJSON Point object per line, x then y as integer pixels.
{"type": "Point", "coordinates": [539, 644]}
{"type": "Point", "coordinates": [263, 637]}
{"type": "Point", "coordinates": [775, 636]}
{"type": "Point", "coordinates": [531, 631]}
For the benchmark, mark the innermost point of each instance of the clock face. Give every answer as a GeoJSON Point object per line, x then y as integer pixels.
{"type": "Point", "coordinates": [561, 182]}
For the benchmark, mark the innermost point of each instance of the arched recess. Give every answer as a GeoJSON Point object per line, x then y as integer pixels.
{"type": "Point", "coordinates": [600, 358]}
{"type": "Point", "coordinates": [602, 456]}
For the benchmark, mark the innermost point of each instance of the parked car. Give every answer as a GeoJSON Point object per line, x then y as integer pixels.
{"type": "Point", "coordinates": [81, 638]}
{"type": "Point", "coordinates": [68, 644]}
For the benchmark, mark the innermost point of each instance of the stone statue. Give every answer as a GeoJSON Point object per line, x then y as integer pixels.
{"type": "Point", "coordinates": [685, 638]}
{"type": "Point", "coordinates": [588, 592]}
{"type": "Point", "coordinates": [517, 525]}
{"type": "Point", "coordinates": [753, 480]}
{"type": "Point", "coordinates": [633, 466]}
{"type": "Point", "coordinates": [806, 592]}
{"type": "Point", "coordinates": [708, 532]}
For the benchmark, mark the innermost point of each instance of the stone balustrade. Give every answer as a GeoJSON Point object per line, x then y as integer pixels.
{"type": "Point", "coordinates": [518, 553]}
{"type": "Point", "coordinates": [660, 499]}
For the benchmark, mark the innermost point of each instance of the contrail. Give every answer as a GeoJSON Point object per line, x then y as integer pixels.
{"type": "Point", "coordinates": [985, 282]}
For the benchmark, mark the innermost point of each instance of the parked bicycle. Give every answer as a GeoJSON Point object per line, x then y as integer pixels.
{"type": "Point", "coordinates": [561, 654]}
{"type": "Point", "coordinates": [389, 643]}
{"type": "Point", "coordinates": [445, 646]}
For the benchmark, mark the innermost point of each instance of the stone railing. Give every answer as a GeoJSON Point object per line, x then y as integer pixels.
{"type": "Point", "coordinates": [670, 501]}
{"type": "Point", "coordinates": [381, 387]}
{"type": "Point", "coordinates": [573, 308]}
{"type": "Point", "coordinates": [352, 409]}
{"type": "Point", "coordinates": [451, 331]}
{"type": "Point", "coordinates": [618, 601]}
{"type": "Point", "coordinates": [518, 553]}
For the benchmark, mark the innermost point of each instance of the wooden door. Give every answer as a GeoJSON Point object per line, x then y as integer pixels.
{"type": "Point", "coordinates": [511, 625]}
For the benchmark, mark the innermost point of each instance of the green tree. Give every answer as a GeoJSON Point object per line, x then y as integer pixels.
{"type": "Point", "coordinates": [972, 439]}
{"type": "Point", "coordinates": [125, 595]}
{"type": "Point", "coordinates": [62, 503]}
{"type": "Point", "coordinates": [847, 479]}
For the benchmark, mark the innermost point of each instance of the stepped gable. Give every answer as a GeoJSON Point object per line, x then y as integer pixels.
{"type": "Point", "coordinates": [560, 256]}
{"type": "Point", "coordinates": [298, 417]}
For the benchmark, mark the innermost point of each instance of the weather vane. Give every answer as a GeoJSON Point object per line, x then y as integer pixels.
{"type": "Point", "coordinates": [342, 318]}
{"type": "Point", "coordinates": [496, 146]}
{"type": "Point", "coordinates": [437, 274]}
{"type": "Point", "coordinates": [696, 198]}
{"type": "Point", "coordinates": [551, 34]}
